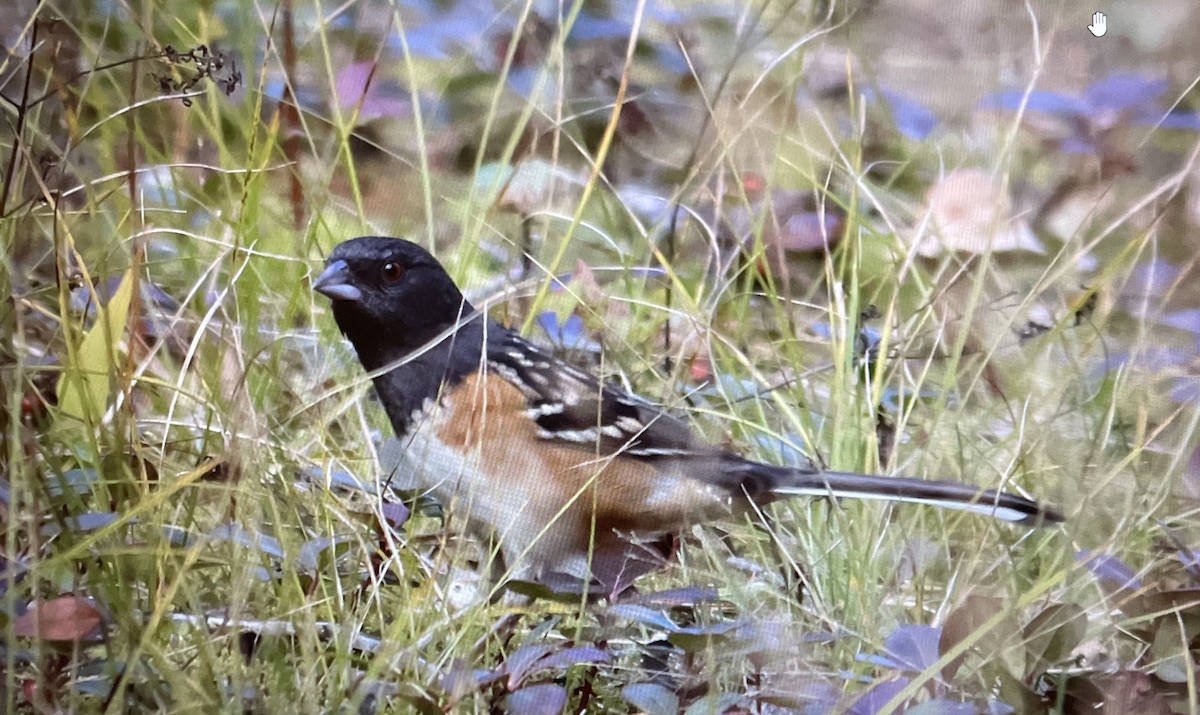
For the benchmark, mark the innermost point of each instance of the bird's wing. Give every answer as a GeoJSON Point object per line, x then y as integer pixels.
{"type": "Point", "coordinates": [572, 407]}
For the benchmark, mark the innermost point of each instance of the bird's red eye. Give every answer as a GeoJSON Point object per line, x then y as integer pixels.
{"type": "Point", "coordinates": [392, 271]}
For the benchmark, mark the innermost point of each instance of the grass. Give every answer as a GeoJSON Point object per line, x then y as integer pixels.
{"type": "Point", "coordinates": [193, 484]}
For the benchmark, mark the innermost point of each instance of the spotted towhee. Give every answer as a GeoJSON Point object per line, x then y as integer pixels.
{"type": "Point", "coordinates": [559, 468]}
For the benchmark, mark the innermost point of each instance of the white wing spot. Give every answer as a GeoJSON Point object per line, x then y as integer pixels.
{"type": "Point", "coordinates": [658, 451]}
{"type": "Point", "coordinates": [511, 375]}
{"type": "Point", "coordinates": [575, 372]}
{"type": "Point", "coordinates": [630, 424]}
{"type": "Point", "coordinates": [544, 410]}
{"type": "Point", "coordinates": [569, 435]}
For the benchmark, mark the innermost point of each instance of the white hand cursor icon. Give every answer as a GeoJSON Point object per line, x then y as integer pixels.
{"type": "Point", "coordinates": [1099, 24]}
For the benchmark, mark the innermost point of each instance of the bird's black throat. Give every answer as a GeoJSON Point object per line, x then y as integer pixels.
{"type": "Point", "coordinates": [422, 366]}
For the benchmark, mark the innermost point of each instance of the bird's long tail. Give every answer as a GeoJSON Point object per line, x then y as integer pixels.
{"type": "Point", "coordinates": [947, 495]}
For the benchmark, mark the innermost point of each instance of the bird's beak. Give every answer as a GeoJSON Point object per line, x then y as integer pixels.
{"type": "Point", "coordinates": [334, 283]}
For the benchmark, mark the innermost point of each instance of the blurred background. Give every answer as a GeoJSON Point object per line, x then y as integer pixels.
{"type": "Point", "coordinates": [901, 237]}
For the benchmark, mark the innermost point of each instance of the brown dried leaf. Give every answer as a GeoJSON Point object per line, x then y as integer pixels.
{"type": "Point", "coordinates": [1054, 633]}
{"type": "Point", "coordinates": [1128, 692]}
{"type": "Point", "coordinates": [66, 618]}
{"type": "Point", "coordinates": [964, 621]}
{"type": "Point", "coordinates": [1162, 602]}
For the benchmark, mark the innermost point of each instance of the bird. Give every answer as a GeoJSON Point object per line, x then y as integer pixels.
{"type": "Point", "coordinates": [563, 473]}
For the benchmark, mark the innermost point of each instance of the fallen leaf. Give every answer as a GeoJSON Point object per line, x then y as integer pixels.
{"type": "Point", "coordinates": [1054, 633]}
{"type": "Point", "coordinates": [67, 618]}
{"type": "Point", "coordinates": [969, 211]}
{"type": "Point", "coordinates": [544, 699]}
{"type": "Point", "coordinates": [651, 698]}
{"type": "Point", "coordinates": [1127, 692]}
{"type": "Point", "coordinates": [84, 388]}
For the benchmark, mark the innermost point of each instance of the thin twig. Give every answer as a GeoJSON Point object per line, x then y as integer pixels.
{"type": "Point", "coordinates": [290, 114]}
{"type": "Point", "coordinates": [19, 130]}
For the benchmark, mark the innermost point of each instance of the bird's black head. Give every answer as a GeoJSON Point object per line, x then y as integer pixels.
{"type": "Point", "coordinates": [390, 296]}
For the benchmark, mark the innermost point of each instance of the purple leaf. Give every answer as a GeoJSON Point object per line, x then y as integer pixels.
{"type": "Point", "coordinates": [1112, 573]}
{"type": "Point", "coordinates": [92, 520]}
{"type": "Point", "coordinates": [894, 398]}
{"type": "Point", "coordinates": [911, 647]}
{"type": "Point", "coordinates": [522, 80]}
{"type": "Point", "coordinates": [395, 514]}
{"type": "Point", "coordinates": [689, 638]}
{"type": "Point", "coordinates": [1174, 120]}
{"type": "Point", "coordinates": [520, 662]}
{"type": "Point", "coordinates": [1119, 92]}
{"type": "Point", "coordinates": [559, 283]}
{"type": "Point", "coordinates": [723, 704]}
{"type": "Point", "coordinates": [441, 27]}
{"type": "Point", "coordinates": [1152, 359]}
{"type": "Point", "coordinates": [353, 83]}
{"type": "Point", "coordinates": [576, 655]}
{"type": "Point", "coordinates": [819, 698]}
{"type": "Point", "coordinates": [1106, 101]}
{"type": "Point", "coordinates": [338, 479]}
{"type": "Point", "coordinates": [822, 329]}
{"type": "Point", "coordinates": [1188, 320]}
{"type": "Point", "coordinates": [422, 44]}
{"type": "Point", "coordinates": [1037, 101]}
{"type": "Point", "coordinates": [484, 678]}
{"type": "Point", "coordinates": [568, 334]}
{"type": "Point", "coordinates": [873, 700]}
{"type": "Point", "coordinates": [676, 597]}
{"type": "Point", "coordinates": [78, 481]}
{"type": "Point", "coordinates": [236, 534]}
{"type": "Point", "coordinates": [263, 574]}
{"type": "Point", "coordinates": [644, 615]}
{"type": "Point", "coordinates": [544, 699]}
{"type": "Point", "coordinates": [592, 27]}
{"type": "Point", "coordinates": [274, 89]}
{"type": "Point", "coordinates": [809, 231]}
{"type": "Point", "coordinates": [359, 86]}
{"type": "Point", "coordinates": [1185, 389]}
{"type": "Point", "coordinates": [1077, 145]}
{"type": "Point", "coordinates": [658, 619]}
{"type": "Point", "coordinates": [1151, 279]}
{"type": "Point", "coordinates": [458, 680]}
{"type": "Point", "coordinates": [651, 698]}
{"type": "Point", "coordinates": [912, 118]}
